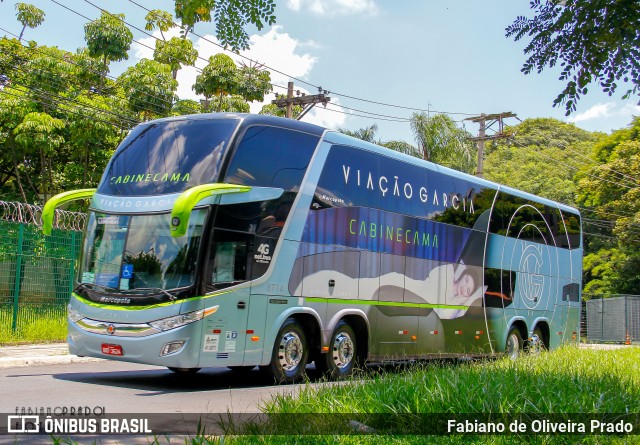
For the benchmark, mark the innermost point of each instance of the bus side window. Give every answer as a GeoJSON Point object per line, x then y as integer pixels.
{"type": "Point", "coordinates": [228, 264]}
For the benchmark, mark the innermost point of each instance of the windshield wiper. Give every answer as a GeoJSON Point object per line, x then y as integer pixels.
{"type": "Point", "coordinates": [94, 286]}
{"type": "Point", "coordinates": [168, 294]}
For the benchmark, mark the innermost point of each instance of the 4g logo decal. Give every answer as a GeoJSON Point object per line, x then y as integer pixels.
{"type": "Point", "coordinates": [264, 254]}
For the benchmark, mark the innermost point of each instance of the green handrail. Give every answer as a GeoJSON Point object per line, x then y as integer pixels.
{"type": "Point", "coordinates": [48, 211]}
{"type": "Point", "coordinates": [188, 199]}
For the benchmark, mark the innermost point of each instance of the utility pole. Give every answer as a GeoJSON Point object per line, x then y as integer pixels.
{"type": "Point", "coordinates": [486, 121]}
{"type": "Point", "coordinates": [306, 101]}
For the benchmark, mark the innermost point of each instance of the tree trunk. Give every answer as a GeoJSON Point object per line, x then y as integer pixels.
{"type": "Point", "coordinates": [15, 167]}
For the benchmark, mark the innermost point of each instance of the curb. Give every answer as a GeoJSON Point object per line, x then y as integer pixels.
{"type": "Point", "coordinates": [39, 355]}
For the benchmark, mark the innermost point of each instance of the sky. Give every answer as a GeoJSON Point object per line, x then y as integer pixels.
{"type": "Point", "coordinates": [379, 60]}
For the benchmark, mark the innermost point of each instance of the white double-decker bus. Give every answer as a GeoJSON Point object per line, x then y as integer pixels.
{"type": "Point", "coordinates": [243, 240]}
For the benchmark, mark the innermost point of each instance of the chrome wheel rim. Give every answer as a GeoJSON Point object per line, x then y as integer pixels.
{"type": "Point", "coordinates": [290, 351]}
{"type": "Point", "coordinates": [513, 346]}
{"type": "Point", "coordinates": [342, 351]}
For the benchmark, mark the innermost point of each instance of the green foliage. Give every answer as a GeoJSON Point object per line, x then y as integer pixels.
{"type": "Point", "coordinates": [438, 140]}
{"type": "Point", "coordinates": [537, 158]}
{"type": "Point", "coordinates": [592, 40]}
{"type": "Point", "coordinates": [441, 141]}
{"type": "Point", "coordinates": [599, 271]}
{"type": "Point", "coordinates": [231, 86]}
{"type": "Point", "coordinates": [108, 37]}
{"type": "Point", "coordinates": [567, 380]}
{"type": "Point", "coordinates": [254, 82]}
{"type": "Point", "coordinates": [175, 52]}
{"type": "Point", "coordinates": [34, 325]}
{"type": "Point", "coordinates": [230, 17]}
{"type": "Point", "coordinates": [149, 87]}
{"type": "Point", "coordinates": [159, 19]}
{"type": "Point", "coordinates": [218, 78]}
{"type": "Point", "coordinates": [611, 191]}
{"type": "Point", "coordinates": [186, 106]}
{"type": "Point", "coordinates": [29, 16]}
{"type": "Point", "coordinates": [367, 134]}
{"type": "Point", "coordinates": [41, 158]}
{"type": "Point", "coordinates": [274, 110]}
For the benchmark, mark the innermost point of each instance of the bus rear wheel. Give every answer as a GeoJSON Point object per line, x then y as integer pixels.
{"type": "Point", "coordinates": [290, 353]}
{"type": "Point", "coordinates": [340, 361]}
{"type": "Point", "coordinates": [514, 343]}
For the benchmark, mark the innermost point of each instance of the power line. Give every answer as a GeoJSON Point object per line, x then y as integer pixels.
{"type": "Point", "coordinates": [308, 83]}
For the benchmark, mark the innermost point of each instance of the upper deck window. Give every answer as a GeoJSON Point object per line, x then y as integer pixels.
{"type": "Point", "coordinates": [271, 157]}
{"type": "Point", "coordinates": [168, 157]}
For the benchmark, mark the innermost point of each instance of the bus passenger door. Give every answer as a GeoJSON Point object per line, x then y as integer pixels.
{"type": "Point", "coordinates": [229, 267]}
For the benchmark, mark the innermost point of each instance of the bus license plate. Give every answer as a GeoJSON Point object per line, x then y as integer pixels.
{"type": "Point", "coordinates": [112, 349]}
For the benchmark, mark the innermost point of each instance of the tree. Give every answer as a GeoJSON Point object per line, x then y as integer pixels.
{"type": "Point", "coordinates": [175, 52]}
{"type": "Point", "coordinates": [609, 191]}
{"type": "Point", "coordinates": [274, 110]}
{"type": "Point", "coordinates": [367, 134]}
{"type": "Point", "coordinates": [441, 141]}
{"type": "Point", "coordinates": [254, 82]}
{"type": "Point", "coordinates": [438, 140]}
{"type": "Point", "coordinates": [592, 40]}
{"type": "Point", "coordinates": [218, 78]}
{"type": "Point", "coordinates": [29, 16]}
{"type": "Point", "coordinates": [230, 16]}
{"type": "Point", "coordinates": [42, 132]}
{"type": "Point", "coordinates": [159, 19]}
{"type": "Point", "coordinates": [149, 88]}
{"type": "Point", "coordinates": [229, 85]}
{"type": "Point", "coordinates": [186, 106]}
{"type": "Point", "coordinates": [108, 38]}
{"type": "Point", "coordinates": [541, 157]}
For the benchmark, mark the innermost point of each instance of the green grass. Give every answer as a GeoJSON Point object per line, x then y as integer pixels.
{"type": "Point", "coordinates": [33, 325]}
{"type": "Point", "coordinates": [568, 380]}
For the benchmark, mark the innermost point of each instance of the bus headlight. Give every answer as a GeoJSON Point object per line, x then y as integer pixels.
{"type": "Point", "coordinates": [74, 315]}
{"type": "Point", "coordinates": [165, 324]}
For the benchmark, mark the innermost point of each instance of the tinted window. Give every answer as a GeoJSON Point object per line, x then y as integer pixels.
{"type": "Point", "coordinates": [271, 157]}
{"type": "Point", "coordinates": [355, 177]}
{"type": "Point", "coordinates": [527, 220]}
{"type": "Point", "coordinates": [168, 157]}
{"type": "Point", "coordinates": [572, 228]}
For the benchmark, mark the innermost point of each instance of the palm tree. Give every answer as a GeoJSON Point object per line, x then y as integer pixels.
{"type": "Point", "coordinates": [438, 139]}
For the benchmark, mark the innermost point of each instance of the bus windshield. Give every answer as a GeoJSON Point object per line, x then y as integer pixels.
{"type": "Point", "coordinates": [129, 252]}
{"type": "Point", "coordinates": [168, 157]}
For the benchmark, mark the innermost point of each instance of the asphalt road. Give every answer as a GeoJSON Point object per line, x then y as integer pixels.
{"type": "Point", "coordinates": [130, 388]}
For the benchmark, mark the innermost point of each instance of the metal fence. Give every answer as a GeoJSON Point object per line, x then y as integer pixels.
{"type": "Point", "coordinates": [36, 271]}
{"type": "Point", "coordinates": [615, 319]}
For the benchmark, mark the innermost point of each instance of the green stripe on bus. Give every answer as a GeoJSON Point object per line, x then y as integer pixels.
{"type": "Point", "coordinates": [383, 303]}
{"type": "Point", "coordinates": [115, 307]}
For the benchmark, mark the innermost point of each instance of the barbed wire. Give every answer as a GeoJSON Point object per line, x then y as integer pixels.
{"type": "Point", "coordinates": [18, 212]}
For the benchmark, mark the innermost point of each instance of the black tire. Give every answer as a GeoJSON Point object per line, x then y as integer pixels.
{"type": "Point", "coordinates": [341, 359]}
{"type": "Point", "coordinates": [241, 369]}
{"type": "Point", "coordinates": [514, 343]}
{"type": "Point", "coordinates": [290, 353]}
{"type": "Point", "coordinates": [184, 371]}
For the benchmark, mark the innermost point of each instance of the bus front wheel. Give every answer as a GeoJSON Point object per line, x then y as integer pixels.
{"type": "Point", "coordinates": [290, 353]}
{"type": "Point", "coordinates": [514, 343]}
{"type": "Point", "coordinates": [184, 371]}
{"type": "Point", "coordinates": [340, 361]}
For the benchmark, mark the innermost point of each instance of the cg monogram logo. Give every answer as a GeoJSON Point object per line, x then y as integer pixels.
{"type": "Point", "coordinates": [532, 283]}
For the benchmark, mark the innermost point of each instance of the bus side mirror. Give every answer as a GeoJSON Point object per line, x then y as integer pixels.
{"type": "Point", "coordinates": [188, 199]}
{"type": "Point", "coordinates": [48, 211]}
